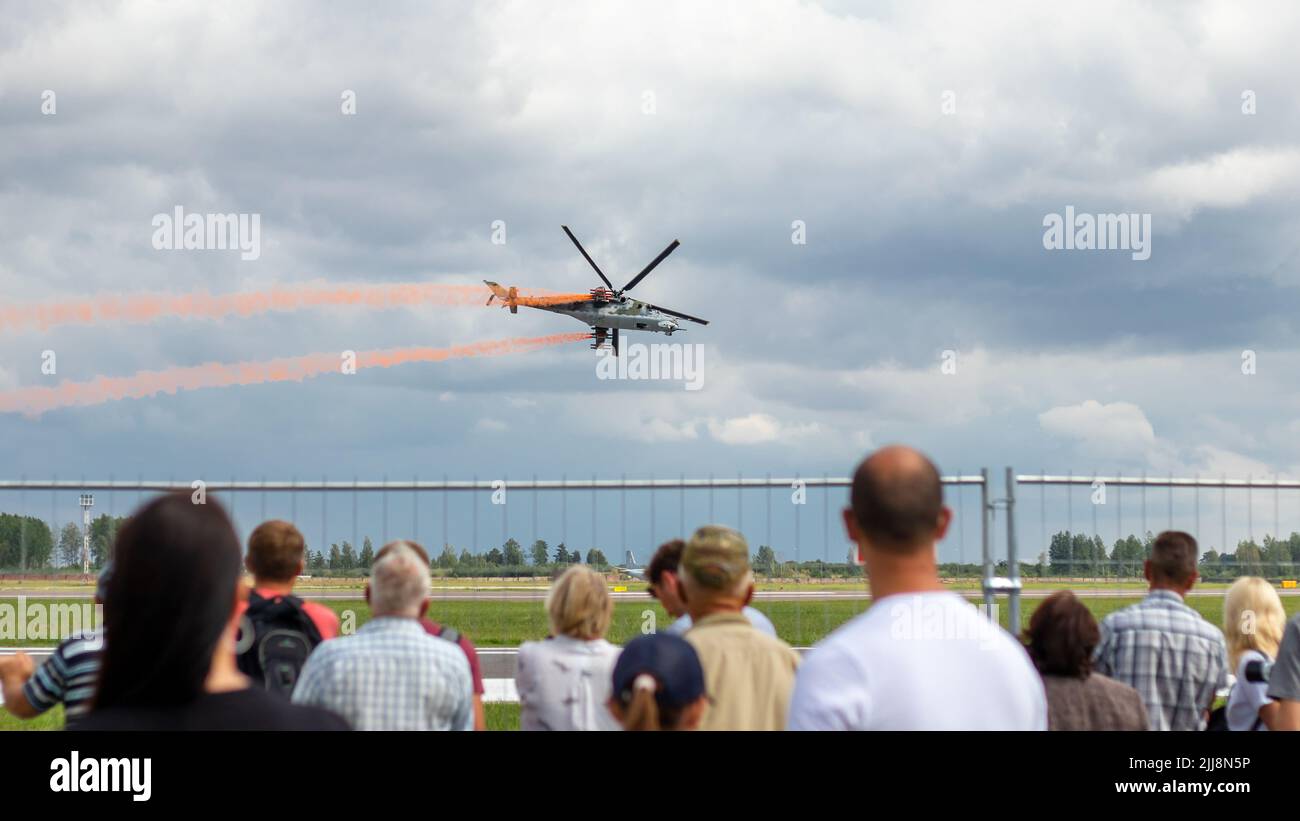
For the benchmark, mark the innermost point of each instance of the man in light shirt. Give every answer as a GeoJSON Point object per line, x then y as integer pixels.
{"type": "Point", "coordinates": [666, 585]}
{"type": "Point", "coordinates": [921, 658]}
{"type": "Point", "coordinates": [747, 673]}
{"type": "Point", "coordinates": [1162, 648]}
{"type": "Point", "coordinates": [392, 675]}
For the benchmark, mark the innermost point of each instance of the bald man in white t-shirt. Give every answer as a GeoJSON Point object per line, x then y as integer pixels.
{"type": "Point", "coordinates": [921, 658]}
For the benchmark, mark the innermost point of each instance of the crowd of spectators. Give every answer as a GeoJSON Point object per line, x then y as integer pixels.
{"type": "Point", "coordinates": [187, 643]}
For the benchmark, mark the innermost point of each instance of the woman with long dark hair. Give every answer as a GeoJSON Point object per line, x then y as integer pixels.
{"type": "Point", "coordinates": [170, 621]}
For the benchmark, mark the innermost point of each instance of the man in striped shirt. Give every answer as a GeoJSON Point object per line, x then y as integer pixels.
{"type": "Point", "coordinates": [392, 675]}
{"type": "Point", "coordinates": [67, 677]}
{"type": "Point", "coordinates": [1162, 648]}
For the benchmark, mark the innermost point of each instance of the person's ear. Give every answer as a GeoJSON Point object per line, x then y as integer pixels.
{"type": "Point", "coordinates": [691, 715]}
{"type": "Point", "coordinates": [855, 535]}
{"type": "Point", "coordinates": [1192, 580]}
{"type": "Point", "coordinates": [241, 599]}
{"type": "Point", "coordinates": [424, 608]}
{"type": "Point", "coordinates": [945, 519]}
{"type": "Point", "coordinates": [749, 594]}
{"type": "Point", "coordinates": [668, 579]}
{"type": "Point", "coordinates": [367, 593]}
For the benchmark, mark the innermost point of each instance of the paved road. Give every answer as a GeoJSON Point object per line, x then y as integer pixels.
{"type": "Point", "coordinates": [496, 662]}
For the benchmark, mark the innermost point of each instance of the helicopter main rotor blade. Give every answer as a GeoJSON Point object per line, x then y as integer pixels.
{"type": "Point", "coordinates": [662, 254]}
{"type": "Point", "coordinates": [587, 257]}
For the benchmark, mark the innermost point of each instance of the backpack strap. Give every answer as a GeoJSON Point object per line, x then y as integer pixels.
{"type": "Point", "coordinates": [287, 605]}
{"type": "Point", "coordinates": [451, 634]}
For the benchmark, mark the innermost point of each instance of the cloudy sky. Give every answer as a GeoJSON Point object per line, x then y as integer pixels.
{"type": "Point", "coordinates": [920, 146]}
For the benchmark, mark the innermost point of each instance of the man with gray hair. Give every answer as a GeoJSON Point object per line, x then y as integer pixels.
{"type": "Point", "coordinates": [748, 674]}
{"type": "Point", "coordinates": [392, 675]}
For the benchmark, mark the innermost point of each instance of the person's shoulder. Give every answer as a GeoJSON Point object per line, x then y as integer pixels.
{"type": "Point", "coordinates": [1111, 687]}
{"type": "Point", "coordinates": [766, 639]}
{"type": "Point", "coordinates": [320, 613]}
{"type": "Point", "coordinates": [265, 711]}
{"type": "Point", "coordinates": [1196, 624]}
{"type": "Point", "coordinates": [80, 644]}
{"type": "Point", "coordinates": [310, 717]}
{"type": "Point", "coordinates": [442, 649]}
{"type": "Point", "coordinates": [113, 719]}
{"type": "Point", "coordinates": [531, 649]}
{"type": "Point", "coordinates": [1117, 692]}
{"type": "Point", "coordinates": [329, 652]}
{"type": "Point", "coordinates": [465, 644]}
{"type": "Point", "coordinates": [757, 617]}
{"type": "Point", "coordinates": [847, 644]}
{"type": "Point", "coordinates": [1124, 615]}
{"type": "Point", "coordinates": [1247, 656]}
{"type": "Point", "coordinates": [768, 643]}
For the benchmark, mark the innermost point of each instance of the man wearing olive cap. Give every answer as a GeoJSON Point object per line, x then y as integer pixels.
{"type": "Point", "coordinates": [749, 675]}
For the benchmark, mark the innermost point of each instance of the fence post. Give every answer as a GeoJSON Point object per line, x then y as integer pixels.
{"type": "Point", "coordinates": [1013, 565]}
{"type": "Point", "coordinates": [985, 512]}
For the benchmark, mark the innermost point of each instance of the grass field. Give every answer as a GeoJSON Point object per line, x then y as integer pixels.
{"type": "Point", "coordinates": [492, 623]}
{"type": "Point", "coordinates": [52, 720]}
{"type": "Point", "coordinates": [499, 717]}
{"type": "Point", "coordinates": [801, 623]}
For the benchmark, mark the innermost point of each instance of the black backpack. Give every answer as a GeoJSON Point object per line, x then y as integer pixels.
{"type": "Point", "coordinates": [275, 637]}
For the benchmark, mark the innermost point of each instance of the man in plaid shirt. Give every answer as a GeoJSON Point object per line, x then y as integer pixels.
{"type": "Point", "coordinates": [1161, 647]}
{"type": "Point", "coordinates": [392, 675]}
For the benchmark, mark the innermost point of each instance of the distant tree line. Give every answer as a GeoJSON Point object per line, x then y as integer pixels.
{"type": "Point", "coordinates": [507, 560]}
{"type": "Point", "coordinates": [1078, 555]}
{"type": "Point", "coordinates": [27, 543]}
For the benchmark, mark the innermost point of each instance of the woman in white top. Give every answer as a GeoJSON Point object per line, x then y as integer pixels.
{"type": "Point", "coordinates": [564, 681]}
{"type": "Point", "coordinates": [1253, 620]}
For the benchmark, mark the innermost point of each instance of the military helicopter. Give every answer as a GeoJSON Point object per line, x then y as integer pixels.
{"type": "Point", "coordinates": [607, 311]}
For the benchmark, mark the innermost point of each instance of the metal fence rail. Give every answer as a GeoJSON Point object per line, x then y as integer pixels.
{"type": "Point", "coordinates": [308, 486]}
{"type": "Point", "coordinates": [616, 506]}
{"type": "Point", "coordinates": [1113, 493]}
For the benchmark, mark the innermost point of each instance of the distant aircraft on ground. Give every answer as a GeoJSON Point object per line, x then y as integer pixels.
{"type": "Point", "coordinates": [631, 567]}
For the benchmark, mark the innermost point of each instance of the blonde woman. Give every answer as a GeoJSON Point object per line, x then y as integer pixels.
{"type": "Point", "coordinates": [564, 681]}
{"type": "Point", "coordinates": [1253, 620]}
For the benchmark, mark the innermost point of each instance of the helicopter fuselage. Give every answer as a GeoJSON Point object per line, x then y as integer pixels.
{"type": "Point", "coordinates": [623, 313]}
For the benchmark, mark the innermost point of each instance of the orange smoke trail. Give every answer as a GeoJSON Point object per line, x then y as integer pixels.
{"type": "Point", "coordinates": [550, 299]}
{"type": "Point", "coordinates": [202, 305]}
{"type": "Point", "coordinates": [32, 402]}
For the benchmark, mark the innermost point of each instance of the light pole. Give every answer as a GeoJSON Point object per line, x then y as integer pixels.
{"type": "Point", "coordinates": [87, 502]}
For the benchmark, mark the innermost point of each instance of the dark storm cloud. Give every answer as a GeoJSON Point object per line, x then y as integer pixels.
{"type": "Point", "coordinates": [924, 230]}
